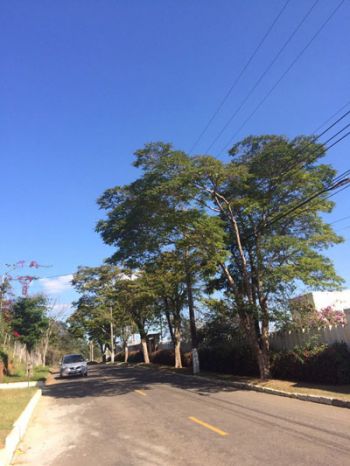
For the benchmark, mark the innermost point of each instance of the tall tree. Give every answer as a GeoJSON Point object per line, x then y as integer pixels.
{"type": "Point", "coordinates": [259, 260]}
{"type": "Point", "coordinates": [136, 295]}
{"type": "Point", "coordinates": [91, 319]}
{"type": "Point", "coordinates": [168, 279]}
{"type": "Point", "coordinates": [97, 284]}
{"type": "Point", "coordinates": [267, 258]}
{"type": "Point", "coordinates": [113, 302]}
{"type": "Point", "coordinates": [29, 321]}
{"type": "Point", "coordinates": [153, 214]}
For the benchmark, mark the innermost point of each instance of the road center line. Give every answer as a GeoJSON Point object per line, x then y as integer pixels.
{"type": "Point", "coordinates": [208, 426]}
{"type": "Point", "coordinates": [140, 392]}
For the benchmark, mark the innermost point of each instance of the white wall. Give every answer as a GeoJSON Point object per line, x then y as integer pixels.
{"type": "Point", "coordinates": [327, 335]}
{"type": "Point", "coordinates": [340, 300]}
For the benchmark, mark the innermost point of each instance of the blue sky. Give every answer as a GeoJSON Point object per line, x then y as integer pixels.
{"type": "Point", "coordinates": [83, 84]}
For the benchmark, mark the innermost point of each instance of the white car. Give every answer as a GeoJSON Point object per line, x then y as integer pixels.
{"type": "Point", "coordinates": [73, 364]}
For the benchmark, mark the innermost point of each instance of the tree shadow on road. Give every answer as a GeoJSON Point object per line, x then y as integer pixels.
{"type": "Point", "coordinates": [106, 380]}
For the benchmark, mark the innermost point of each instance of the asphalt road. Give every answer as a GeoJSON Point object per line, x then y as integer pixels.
{"type": "Point", "coordinates": [137, 416]}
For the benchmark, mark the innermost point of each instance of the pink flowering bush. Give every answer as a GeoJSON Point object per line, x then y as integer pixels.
{"type": "Point", "coordinates": [307, 317]}
{"type": "Point", "coordinates": [329, 316]}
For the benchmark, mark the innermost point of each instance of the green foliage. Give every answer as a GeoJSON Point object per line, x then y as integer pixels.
{"type": "Point", "coordinates": [167, 358]}
{"type": "Point", "coordinates": [62, 341]}
{"type": "Point", "coordinates": [234, 359]}
{"type": "Point", "coordinates": [18, 374]}
{"type": "Point", "coordinates": [99, 305]}
{"type": "Point", "coordinates": [28, 320]}
{"type": "Point", "coordinates": [221, 326]}
{"type": "Point", "coordinates": [320, 364]}
{"type": "Point", "coordinates": [135, 356]}
{"type": "Point", "coordinates": [217, 215]}
{"type": "Point", "coordinates": [4, 358]}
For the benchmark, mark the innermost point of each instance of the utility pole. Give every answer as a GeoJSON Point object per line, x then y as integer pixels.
{"type": "Point", "coordinates": [112, 335]}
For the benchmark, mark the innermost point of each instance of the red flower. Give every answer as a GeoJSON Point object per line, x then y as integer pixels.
{"type": "Point", "coordinates": [16, 334]}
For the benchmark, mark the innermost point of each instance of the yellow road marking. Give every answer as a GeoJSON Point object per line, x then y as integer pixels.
{"type": "Point", "coordinates": [208, 426]}
{"type": "Point", "coordinates": [140, 392]}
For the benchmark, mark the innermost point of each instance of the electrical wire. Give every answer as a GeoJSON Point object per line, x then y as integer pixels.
{"type": "Point", "coordinates": [331, 117]}
{"type": "Point", "coordinates": [264, 73]}
{"type": "Point", "coordinates": [312, 141]}
{"type": "Point", "coordinates": [296, 59]}
{"type": "Point", "coordinates": [313, 153]}
{"type": "Point", "coordinates": [340, 220]}
{"type": "Point", "coordinates": [239, 76]}
{"type": "Point", "coordinates": [344, 178]}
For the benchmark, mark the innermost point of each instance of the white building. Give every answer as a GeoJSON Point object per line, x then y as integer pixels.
{"type": "Point", "coordinates": [339, 300]}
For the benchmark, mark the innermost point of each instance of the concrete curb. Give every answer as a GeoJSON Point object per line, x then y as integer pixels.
{"type": "Point", "coordinates": [18, 430]}
{"type": "Point", "coordinates": [298, 396]}
{"type": "Point", "coordinates": [249, 386]}
{"type": "Point", "coordinates": [7, 386]}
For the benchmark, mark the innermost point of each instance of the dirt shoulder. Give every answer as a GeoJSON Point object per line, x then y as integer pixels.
{"type": "Point", "coordinates": [341, 392]}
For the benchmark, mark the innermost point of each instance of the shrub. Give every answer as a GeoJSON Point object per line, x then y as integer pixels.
{"type": "Point", "coordinates": [163, 356]}
{"type": "Point", "coordinates": [237, 360]}
{"type": "Point", "coordinates": [167, 358]}
{"type": "Point", "coordinates": [322, 364]}
{"type": "Point", "coordinates": [5, 360]}
{"type": "Point", "coordinates": [135, 356]}
{"type": "Point", "coordinates": [187, 359]}
{"type": "Point", "coordinates": [287, 365]}
{"type": "Point", "coordinates": [120, 357]}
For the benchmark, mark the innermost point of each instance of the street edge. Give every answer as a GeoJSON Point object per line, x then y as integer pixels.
{"type": "Point", "coordinates": [248, 386]}
{"type": "Point", "coordinates": [18, 430]}
{"type": "Point", "coordinates": [13, 385]}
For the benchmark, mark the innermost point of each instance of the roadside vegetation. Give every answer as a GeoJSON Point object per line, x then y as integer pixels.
{"type": "Point", "coordinates": [210, 252]}
{"type": "Point", "coordinates": [12, 403]}
{"type": "Point", "coordinates": [32, 337]}
{"type": "Point", "coordinates": [18, 374]}
{"type": "Point", "coordinates": [207, 252]}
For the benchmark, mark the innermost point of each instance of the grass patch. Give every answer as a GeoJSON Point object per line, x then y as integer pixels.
{"type": "Point", "coordinates": [40, 373]}
{"type": "Point", "coordinates": [12, 403]}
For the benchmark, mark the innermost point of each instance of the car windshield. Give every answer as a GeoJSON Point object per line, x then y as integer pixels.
{"type": "Point", "coordinates": [72, 358]}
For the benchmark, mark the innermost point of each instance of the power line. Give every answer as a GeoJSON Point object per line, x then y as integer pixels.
{"type": "Point", "coordinates": [313, 140]}
{"type": "Point", "coordinates": [264, 73]}
{"type": "Point", "coordinates": [339, 190]}
{"type": "Point", "coordinates": [238, 78]}
{"type": "Point", "coordinates": [345, 228]}
{"type": "Point", "coordinates": [343, 179]}
{"type": "Point", "coordinates": [313, 153]}
{"type": "Point", "coordinates": [296, 59]}
{"type": "Point", "coordinates": [340, 220]}
{"type": "Point", "coordinates": [332, 116]}
{"type": "Point", "coordinates": [347, 173]}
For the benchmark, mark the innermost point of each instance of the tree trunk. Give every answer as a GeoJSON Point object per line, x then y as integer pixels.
{"type": "Point", "coordinates": [126, 353]}
{"type": "Point", "coordinates": [171, 331]}
{"type": "Point", "coordinates": [112, 337]}
{"type": "Point", "coordinates": [145, 349]}
{"type": "Point", "coordinates": [5, 340]}
{"type": "Point", "coordinates": [46, 346]}
{"type": "Point", "coordinates": [29, 364]}
{"type": "Point", "coordinates": [264, 364]}
{"type": "Point", "coordinates": [193, 328]}
{"type": "Point", "coordinates": [177, 346]}
{"type": "Point", "coordinates": [265, 343]}
{"type": "Point", "coordinates": [260, 350]}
